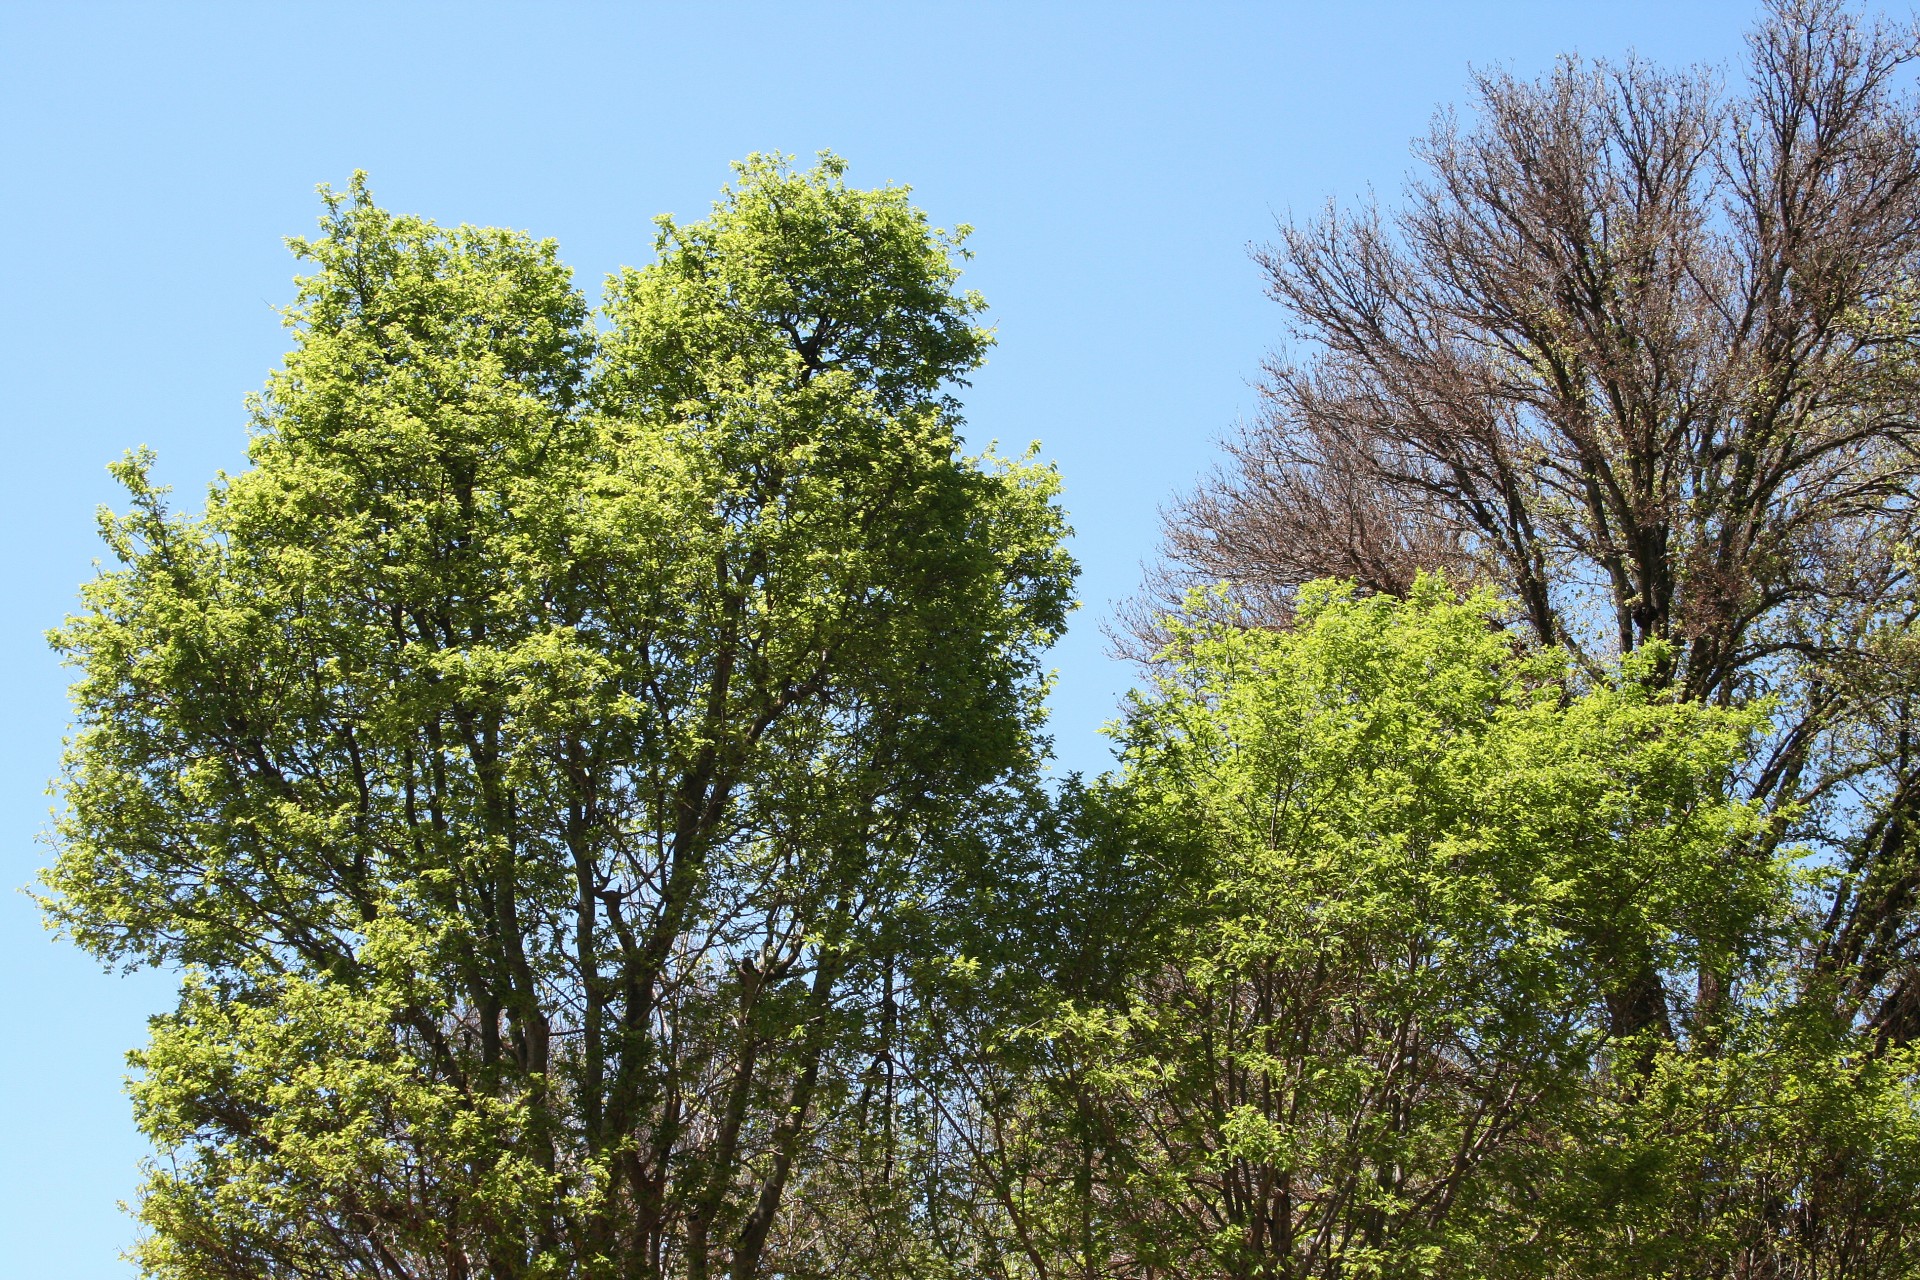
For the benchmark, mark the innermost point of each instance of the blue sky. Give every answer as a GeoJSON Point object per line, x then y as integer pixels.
{"type": "Point", "coordinates": [1116, 161]}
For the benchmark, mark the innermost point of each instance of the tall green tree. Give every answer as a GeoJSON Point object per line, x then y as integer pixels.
{"type": "Point", "coordinates": [532, 758]}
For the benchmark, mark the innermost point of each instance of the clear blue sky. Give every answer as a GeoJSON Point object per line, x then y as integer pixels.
{"type": "Point", "coordinates": [1115, 159]}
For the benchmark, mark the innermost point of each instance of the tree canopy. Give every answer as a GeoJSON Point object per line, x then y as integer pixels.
{"type": "Point", "coordinates": [589, 769]}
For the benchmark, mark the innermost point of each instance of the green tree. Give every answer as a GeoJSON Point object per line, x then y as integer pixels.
{"type": "Point", "coordinates": [534, 756]}
{"type": "Point", "coordinates": [1380, 1017]}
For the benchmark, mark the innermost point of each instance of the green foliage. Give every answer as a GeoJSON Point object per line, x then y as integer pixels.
{"type": "Point", "coordinates": [304, 1112]}
{"type": "Point", "coordinates": [586, 770]}
{"type": "Point", "coordinates": [533, 755]}
{"type": "Point", "coordinates": [1430, 862]}
{"type": "Point", "coordinates": [1789, 1145]}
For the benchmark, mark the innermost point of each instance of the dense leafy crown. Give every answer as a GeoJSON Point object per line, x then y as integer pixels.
{"type": "Point", "coordinates": [532, 756]}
